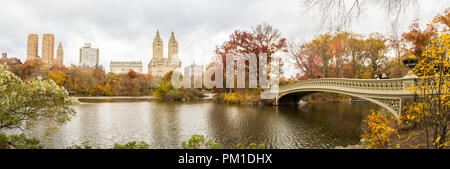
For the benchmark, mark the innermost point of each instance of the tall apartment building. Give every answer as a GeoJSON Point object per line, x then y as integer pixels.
{"type": "Point", "coordinates": [89, 57]}
{"type": "Point", "coordinates": [48, 49]}
{"type": "Point", "coordinates": [32, 47]}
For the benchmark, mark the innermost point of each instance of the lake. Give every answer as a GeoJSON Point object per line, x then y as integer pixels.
{"type": "Point", "coordinates": [103, 122]}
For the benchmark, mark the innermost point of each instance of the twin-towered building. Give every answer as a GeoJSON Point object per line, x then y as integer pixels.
{"type": "Point", "coordinates": [48, 50]}
{"type": "Point", "coordinates": [159, 65]}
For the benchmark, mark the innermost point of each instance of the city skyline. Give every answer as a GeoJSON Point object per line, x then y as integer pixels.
{"type": "Point", "coordinates": [125, 31]}
{"type": "Point", "coordinates": [47, 56]}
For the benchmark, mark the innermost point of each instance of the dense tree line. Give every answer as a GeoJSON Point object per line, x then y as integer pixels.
{"type": "Point", "coordinates": [342, 55]}
{"type": "Point", "coordinates": [89, 82]}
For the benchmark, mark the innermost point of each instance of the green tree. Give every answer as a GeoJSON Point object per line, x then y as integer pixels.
{"type": "Point", "coordinates": [132, 145]}
{"type": "Point", "coordinates": [24, 102]}
{"type": "Point", "coordinates": [18, 142]}
{"type": "Point", "coordinates": [84, 145]}
{"type": "Point", "coordinates": [250, 146]}
{"type": "Point", "coordinates": [199, 142]}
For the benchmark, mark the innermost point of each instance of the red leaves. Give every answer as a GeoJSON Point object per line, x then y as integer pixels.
{"type": "Point", "coordinates": [308, 61]}
{"type": "Point", "coordinates": [420, 39]}
{"type": "Point", "coordinates": [261, 40]}
{"type": "Point", "coordinates": [132, 74]}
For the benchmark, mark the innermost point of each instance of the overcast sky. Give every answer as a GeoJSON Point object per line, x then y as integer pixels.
{"type": "Point", "coordinates": [123, 30]}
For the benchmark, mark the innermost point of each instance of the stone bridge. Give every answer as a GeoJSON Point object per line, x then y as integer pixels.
{"type": "Point", "coordinates": [390, 94]}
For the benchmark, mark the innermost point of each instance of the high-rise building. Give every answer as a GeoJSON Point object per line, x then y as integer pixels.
{"type": "Point", "coordinates": [48, 49]}
{"type": "Point", "coordinates": [160, 66]}
{"type": "Point", "coordinates": [32, 47]}
{"type": "Point", "coordinates": [60, 55]}
{"type": "Point", "coordinates": [89, 57]}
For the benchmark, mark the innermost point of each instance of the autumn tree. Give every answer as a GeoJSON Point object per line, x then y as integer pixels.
{"type": "Point", "coordinates": [375, 53]}
{"type": "Point", "coordinates": [321, 46]}
{"type": "Point", "coordinates": [398, 45]}
{"type": "Point", "coordinates": [262, 39]}
{"type": "Point", "coordinates": [378, 130]}
{"type": "Point", "coordinates": [306, 60]}
{"type": "Point", "coordinates": [356, 51]}
{"type": "Point", "coordinates": [432, 110]}
{"type": "Point", "coordinates": [341, 54]}
{"type": "Point", "coordinates": [338, 52]}
{"type": "Point", "coordinates": [132, 74]}
{"type": "Point", "coordinates": [59, 77]}
{"type": "Point", "coordinates": [418, 39]}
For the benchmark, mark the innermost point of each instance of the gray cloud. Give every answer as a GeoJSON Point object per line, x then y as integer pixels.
{"type": "Point", "coordinates": [124, 29]}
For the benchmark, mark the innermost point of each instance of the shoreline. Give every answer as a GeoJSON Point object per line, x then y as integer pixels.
{"type": "Point", "coordinates": [116, 98]}
{"type": "Point", "coordinates": [151, 98]}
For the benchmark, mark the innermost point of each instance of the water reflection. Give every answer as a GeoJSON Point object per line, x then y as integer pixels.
{"type": "Point", "coordinates": [166, 125]}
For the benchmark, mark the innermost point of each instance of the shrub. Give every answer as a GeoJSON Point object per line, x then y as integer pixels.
{"type": "Point", "coordinates": [251, 146]}
{"type": "Point", "coordinates": [379, 129]}
{"type": "Point", "coordinates": [83, 145]}
{"type": "Point", "coordinates": [198, 142]}
{"type": "Point", "coordinates": [132, 145]}
{"type": "Point", "coordinates": [191, 94]}
{"type": "Point", "coordinates": [18, 142]}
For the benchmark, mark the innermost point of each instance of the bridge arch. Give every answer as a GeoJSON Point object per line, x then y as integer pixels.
{"type": "Point", "coordinates": [293, 97]}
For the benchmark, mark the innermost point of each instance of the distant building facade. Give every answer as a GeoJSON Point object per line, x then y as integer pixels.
{"type": "Point", "coordinates": [9, 61]}
{"type": "Point", "coordinates": [32, 46]}
{"type": "Point", "coordinates": [159, 66]}
{"type": "Point", "coordinates": [122, 67]}
{"type": "Point", "coordinates": [60, 55]}
{"type": "Point", "coordinates": [89, 57]}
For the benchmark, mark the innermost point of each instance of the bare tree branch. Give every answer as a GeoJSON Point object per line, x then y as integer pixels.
{"type": "Point", "coordinates": [340, 14]}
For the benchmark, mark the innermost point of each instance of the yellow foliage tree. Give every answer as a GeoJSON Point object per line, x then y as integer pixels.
{"type": "Point", "coordinates": [431, 111]}
{"type": "Point", "coordinates": [59, 77]}
{"type": "Point", "coordinates": [379, 129]}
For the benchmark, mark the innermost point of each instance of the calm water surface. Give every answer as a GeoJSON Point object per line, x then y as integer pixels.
{"type": "Point", "coordinates": [102, 123]}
